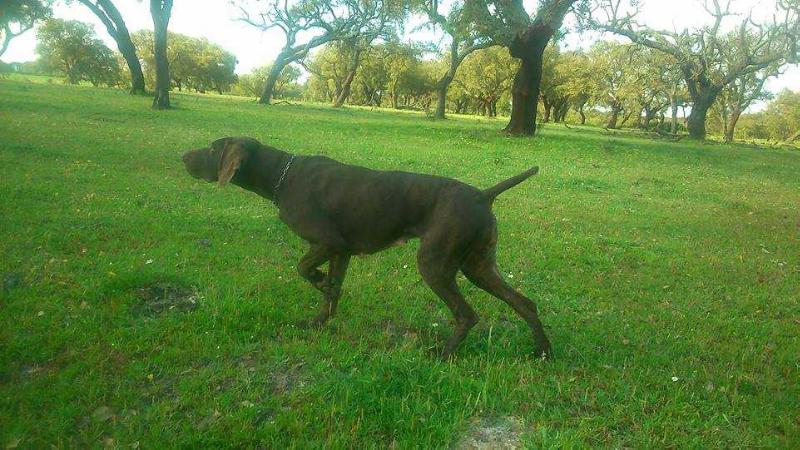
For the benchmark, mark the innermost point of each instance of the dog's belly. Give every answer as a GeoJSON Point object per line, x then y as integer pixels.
{"type": "Point", "coordinates": [368, 248]}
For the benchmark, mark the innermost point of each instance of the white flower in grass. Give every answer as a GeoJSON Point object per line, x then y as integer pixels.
{"type": "Point", "coordinates": [675, 379]}
{"type": "Point", "coordinates": [149, 261]}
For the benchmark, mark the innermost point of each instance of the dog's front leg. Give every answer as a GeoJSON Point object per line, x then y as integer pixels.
{"type": "Point", "coordinates": [332, 287]}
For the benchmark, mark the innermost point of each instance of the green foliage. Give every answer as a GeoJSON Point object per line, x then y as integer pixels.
{"type": "Point", "coordinates": [484, 79]}
{"type": "Point", "coordinates": [19, 16]}
{"type": "Point", "coordinates": [194, 63]}
{"type": "Point", "coordinates": [389, 74]}
{"type": "Point", "coordinates": [252, 84]}
{"type": "Point", "coordinates": [650, 262]}
{"type": "Point", "coordinates": [780, 122]}
{"type": "Point", "coordinates": [71, 48]}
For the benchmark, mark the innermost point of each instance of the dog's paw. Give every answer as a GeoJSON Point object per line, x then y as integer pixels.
{"type": "Point", "coordinates": [544, 354]}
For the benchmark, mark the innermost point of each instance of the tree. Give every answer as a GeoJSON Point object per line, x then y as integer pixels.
{"type": "Point", "coordinates": [526, 38]}
{"type": "Point", "coordinates": [782, 117]}
{"type": "Point", "coordinates": [19, 16]}
{"type": "Point", "coordinates": [161, 10]}
{"type": "Point", "coordinates": [580, 85]}
{"type": "Point", "coordinates": [335, 19]}
{"type": "Point", "coordinates": [252, 84]}
{"type": "Point", "coordinates": [464, 39]}
{"type": "Point", "coordinates": [612, 65]}
{"type": "Point", "coordinates": [486, 77]}
{"type": "Point", "coordinates": [193, 63]}
{"type": "Point", "coordinates": [115, 25]}
{"type": "Point", "coordinates": [554, 76]}
{"type": "Point", "coordinates": [72, 48]}
{"type": "Point", "coordinates": [738, 96]}
{"type": "Point", "coordinates": [707, 56]}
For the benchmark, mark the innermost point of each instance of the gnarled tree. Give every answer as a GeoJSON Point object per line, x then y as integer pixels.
{"type": "Point", "coordinates": [115, 25]}
{"type": "Point", "coordinates": [334, 20]}
{"type": "Point", "coordinates": [739, 95]}
{"type": "Point", "coordinates": [464, 39]}
{"type": "Point", "coordinates": [707, 60]}
{"type": "Point", "coordinates": [526, 38]}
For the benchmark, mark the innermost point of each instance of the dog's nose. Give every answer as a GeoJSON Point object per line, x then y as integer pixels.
{"type": "Point", "coordinates": [185, 157]}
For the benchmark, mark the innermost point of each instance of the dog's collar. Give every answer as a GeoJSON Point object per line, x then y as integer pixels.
{"type": "Point", "coordinates": [280, 180]}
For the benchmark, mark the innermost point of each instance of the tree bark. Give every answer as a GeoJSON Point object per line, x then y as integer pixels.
{"type": "Point", "coordinates": [730, 125]}
{"type": "Point", "coordinates": [696, 122]}
{"type": "Point", "coordinates": [561, 111]}
{"type": "Point", "coordinates": [112, 19]}
{"type": "Point", "coordinates": [441, 97]}
{"type": "Point", "coordinates": [548, 108]}
{"type": "Point", "coordinates": [272, 79]}
{"type": "Point", "coordinates": [161, 11]}
{"type": "Point", "coordinates": [444, 83]}
{"type": "Point", "coordinates": [348, 80]}
{"type": "Point", "coordinates": [612, 120]}
{"type": "Point", "coordinates": [582, 114]}
{"type": "Point", "coordinates": [703, 93]}
{"type": "Point", "coordinates": [528, 46]}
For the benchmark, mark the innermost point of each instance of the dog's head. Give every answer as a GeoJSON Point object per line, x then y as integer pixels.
{"type": "Point", "coordinates": [220, 161]}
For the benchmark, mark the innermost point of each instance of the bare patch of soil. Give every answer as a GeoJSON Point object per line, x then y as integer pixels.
{"type": "Point", "coordinates": [162, 297]}
{"type": "Point", "coordinates": [492, 433]}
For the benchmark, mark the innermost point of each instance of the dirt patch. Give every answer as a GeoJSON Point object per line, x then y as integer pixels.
{"type": "Point", "coordinates": [287, 377]}
{"type": "Point", "coordinates": [162, 297]}
{"type": "Point", "coordinates": [492, 433]}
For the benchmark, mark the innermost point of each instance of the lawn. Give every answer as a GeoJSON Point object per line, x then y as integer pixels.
{"type": "Point", "coordinates": [140, 307]}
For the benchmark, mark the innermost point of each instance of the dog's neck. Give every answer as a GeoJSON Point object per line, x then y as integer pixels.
{"type": "Point", "coordinates": [262, 170]}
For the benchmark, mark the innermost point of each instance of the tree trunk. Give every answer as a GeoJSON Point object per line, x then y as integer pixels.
{"type": "Point", "coordinates": [441, 92]}
{"type": "Point", "coordinates": [527, 46]}
{"type": "Point", "coordinates": [696, 123]}
{"type": "Point", "coordinates": [730, 125]}
{"type": "Point", "coordinates": [135, 67]}
{"type": "Point", "coordinates": [348, 80]}
{"type": "Point", "coordinates": [648, 116]}
{"type": "Point", "coordinates": [673, 128]}
{"type": "Point", "coordinates": [548, 108]}
{"type": "Point", "coordinates": [625, 119]}
{"type": "Point", "coordinates": [112, 19]}
{"type": "Point", "coordinates": [612, 121]}
{"type": "Point", "coordinates": [561, 111]}
{"type": "Point", "coordinates": [444, 83]}
{"type": "Point", "coordinates": [161, 11]}
{"type": "Point", "coordinates": [272, 79]}
{"type": "Point", "coordinates": [703, 92]}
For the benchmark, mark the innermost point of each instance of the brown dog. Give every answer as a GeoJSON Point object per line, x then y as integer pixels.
{"type": "Point", "coordinates": [344, 210]}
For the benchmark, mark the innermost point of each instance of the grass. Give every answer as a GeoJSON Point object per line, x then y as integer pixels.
{"type": "Point", "coordinates": [141, 307]}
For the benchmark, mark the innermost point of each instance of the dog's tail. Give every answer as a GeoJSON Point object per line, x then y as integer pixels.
{"type": "Point", "coordinates": [503, 186]}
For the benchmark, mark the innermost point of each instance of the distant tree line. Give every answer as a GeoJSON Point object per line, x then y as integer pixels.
{"type": "Point", "coordinates": [496, 59]}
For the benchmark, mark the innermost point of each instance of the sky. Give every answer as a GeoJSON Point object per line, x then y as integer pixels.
{"type": "Point", "coordinates": [216, 20]}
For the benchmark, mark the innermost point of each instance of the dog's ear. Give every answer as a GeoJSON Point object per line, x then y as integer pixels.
{"type": "Point", "coordinates": [230, 161]}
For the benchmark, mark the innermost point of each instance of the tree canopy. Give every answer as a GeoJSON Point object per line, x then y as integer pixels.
{"type": "Point", "coordinates": [71, 47]}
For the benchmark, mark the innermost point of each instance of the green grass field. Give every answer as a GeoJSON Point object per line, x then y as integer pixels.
{"type": "Point", "coordinates": [143, 308]}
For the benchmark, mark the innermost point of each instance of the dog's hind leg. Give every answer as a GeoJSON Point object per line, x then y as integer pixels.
{"type": "Point", "coordinates": [480, 268]}
{"type": "Point", "coordinates": [316, 256]}
{"type": "Point", "coordinates": [439, 272]}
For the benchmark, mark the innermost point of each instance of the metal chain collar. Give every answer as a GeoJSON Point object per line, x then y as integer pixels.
{"type": "Point", "coordinates": [283, 176]}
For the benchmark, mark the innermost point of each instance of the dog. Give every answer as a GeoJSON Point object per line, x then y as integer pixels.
{"type": "Point", "coordinates": [343, 210]}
